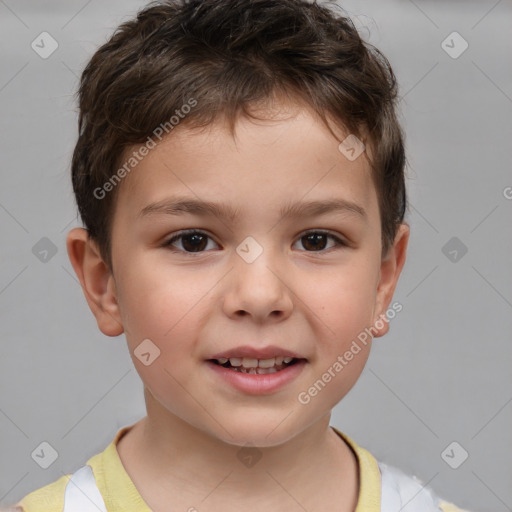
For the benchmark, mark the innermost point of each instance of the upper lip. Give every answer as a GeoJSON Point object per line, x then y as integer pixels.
{"type": "Point", "coordinates": [256, 353]}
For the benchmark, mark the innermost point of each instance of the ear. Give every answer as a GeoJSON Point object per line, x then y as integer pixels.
{"type": "Point", "coordinates": [390, 269]}
{"type": "Point", "coordinates": [96, 280]}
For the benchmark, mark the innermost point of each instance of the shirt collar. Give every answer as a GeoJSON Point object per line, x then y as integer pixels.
{"type": "Point", "coordinates": [120, 493]}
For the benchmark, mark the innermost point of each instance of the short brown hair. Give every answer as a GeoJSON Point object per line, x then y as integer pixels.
{"type": "Point", "coordinates": [230, 55]}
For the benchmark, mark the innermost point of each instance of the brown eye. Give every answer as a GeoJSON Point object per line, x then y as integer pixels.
{"type": "Point", "coordinates": [194, 243]}
{"type": "Point", "coordinates": [316, 241]}
{"type": "Point", "coordinates": [191, 242]}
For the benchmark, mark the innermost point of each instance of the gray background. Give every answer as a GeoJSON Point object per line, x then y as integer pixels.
{"type": "Point", "coordinates": [443, 372]}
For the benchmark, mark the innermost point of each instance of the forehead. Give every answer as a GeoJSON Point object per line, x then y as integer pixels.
{"type": "Point", "coordinates": [286, 156]}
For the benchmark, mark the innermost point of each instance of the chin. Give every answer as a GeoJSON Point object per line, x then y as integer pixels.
{"type": "Point", "coordinates": [256, 432]}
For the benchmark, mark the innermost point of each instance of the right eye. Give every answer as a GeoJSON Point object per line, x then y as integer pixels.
{"type": "Point", "coordinates": [192, 241]}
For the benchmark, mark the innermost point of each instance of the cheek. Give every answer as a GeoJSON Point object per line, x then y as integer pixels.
{"type": "Point", "coordinates": [160, 303]}
{"type": "Point", "coordinates": [342, 303]}
{"type": "Point", "coordinates": [158, 332]}
{"type": "Point", "coordinates": [162, 321]}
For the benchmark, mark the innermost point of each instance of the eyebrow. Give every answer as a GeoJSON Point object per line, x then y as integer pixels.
{"type": "Point", "coordinates": [182, 205]}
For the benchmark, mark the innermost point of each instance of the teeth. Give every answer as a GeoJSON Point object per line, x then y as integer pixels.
{"type": "Point", "coordinates": [253, 364]}
{"type": "Point", "coordinates": [256, 371]}
{"type": "Point", "coordinates": [249, 363]}
{"type": "Point", "coordinates": [261, 371]}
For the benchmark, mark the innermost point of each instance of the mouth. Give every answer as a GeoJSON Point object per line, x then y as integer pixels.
{"type": "Point", "coordinates": [256, 366]}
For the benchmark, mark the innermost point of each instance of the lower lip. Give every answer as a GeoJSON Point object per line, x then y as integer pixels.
{"type": "Point", "coordinates": [255, 384]}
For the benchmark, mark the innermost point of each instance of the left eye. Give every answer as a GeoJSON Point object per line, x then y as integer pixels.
{"type": "Point", "coordinates": [197, 241]}
{"type": "Point", "coordinates": [318, 240]}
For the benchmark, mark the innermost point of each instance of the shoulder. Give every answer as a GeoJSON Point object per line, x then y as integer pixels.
{"type": "Point", "coordinates": [49, 498]}
{"type": "Point", "coordinates": [54, 496]}
{"type": "Point", "coordinates": [384, 488]}
{"type": "Point", "coordinates": [75, 493]}
{"type": "Point", "coordinates": [67, 493]}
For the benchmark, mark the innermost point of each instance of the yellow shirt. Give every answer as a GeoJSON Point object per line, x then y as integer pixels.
{"type": "Point", "coordinates": [121, 495]}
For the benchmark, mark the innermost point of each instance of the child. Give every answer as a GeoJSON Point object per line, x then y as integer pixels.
{"type": "Point", "coordinates": [266, 130]}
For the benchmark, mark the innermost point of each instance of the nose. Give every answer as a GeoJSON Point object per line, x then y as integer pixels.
{"type": "Point", "coordinates": [258, 289]}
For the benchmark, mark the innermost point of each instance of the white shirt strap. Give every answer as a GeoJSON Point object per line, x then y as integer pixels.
{"type": "Point", "coordinates": [402, 493]}
{"type": "Point", "coordinates": [82, 493]}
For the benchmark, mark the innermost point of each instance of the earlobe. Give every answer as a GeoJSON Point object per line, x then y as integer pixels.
{"type": "Point", "coordinates": [391, 267]}
{"type": "Point", "coordinates": [96, 280]}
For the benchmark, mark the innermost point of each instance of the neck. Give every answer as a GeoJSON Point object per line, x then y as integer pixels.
{"type": "Point", "coordinates": [173, 456]}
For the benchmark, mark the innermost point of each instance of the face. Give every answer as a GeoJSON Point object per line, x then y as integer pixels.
{"type": "Point", "coordinates": [265, 247]}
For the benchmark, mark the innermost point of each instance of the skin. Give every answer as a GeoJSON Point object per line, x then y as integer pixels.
{"type": "Point", "coordinates": [311, 299]}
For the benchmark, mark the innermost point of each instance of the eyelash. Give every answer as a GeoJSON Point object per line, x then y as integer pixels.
{"type": "Point", "coordinates": [168, 244]}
